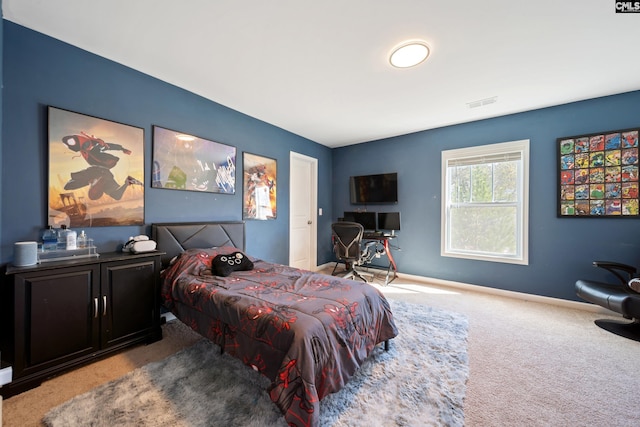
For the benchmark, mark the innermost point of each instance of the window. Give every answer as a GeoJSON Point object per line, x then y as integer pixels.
{"type": "Point", "coordinates": [485, 202]}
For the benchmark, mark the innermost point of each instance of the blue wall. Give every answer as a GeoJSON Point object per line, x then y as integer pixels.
{"type": "Point", "coordinates": [560, 249]}
{"type": "Point", "coordinates": [1, 103]}
{"type": "Point", "coordinates": [41, 71]}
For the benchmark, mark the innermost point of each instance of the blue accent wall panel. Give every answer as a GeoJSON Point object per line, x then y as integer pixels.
{"type": "Point", "coordinates": [560, 249]}
{"type": "Point", "coordinates": [40, 71]}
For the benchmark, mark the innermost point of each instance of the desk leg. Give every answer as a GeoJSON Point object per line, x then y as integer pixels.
{"type": "Point", "coordinates": [392, 263]}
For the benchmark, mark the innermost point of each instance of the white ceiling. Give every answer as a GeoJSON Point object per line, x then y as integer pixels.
{"type": "Point", "coordinates": [320, 69]}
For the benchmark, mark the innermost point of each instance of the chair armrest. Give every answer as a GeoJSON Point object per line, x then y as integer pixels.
{"type": "Point", "coordinates": [615, 268]}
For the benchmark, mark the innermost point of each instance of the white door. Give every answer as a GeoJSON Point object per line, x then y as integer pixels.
{"type": "Point", "coordinates": [303, 230]}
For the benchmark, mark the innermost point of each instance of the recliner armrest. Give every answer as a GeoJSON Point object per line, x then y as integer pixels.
{"type": "Point", "coordinates": [615, 268]}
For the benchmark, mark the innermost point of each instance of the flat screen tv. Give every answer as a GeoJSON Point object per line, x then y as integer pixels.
{"type": "Point", "coordinates": [371, 189]}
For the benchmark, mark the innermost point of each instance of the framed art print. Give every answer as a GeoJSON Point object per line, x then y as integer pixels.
{"type": "Point", "coordinates": [598, 175]}
{"type": "Point", "coordinates": [259, 187]}
{"type": "Point", "coordinates": [186, 162]}
{"type": "Point", "coordinates": [96, 171]}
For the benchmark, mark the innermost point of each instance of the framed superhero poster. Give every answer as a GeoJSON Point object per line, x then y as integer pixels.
{"type": "Point", "coordinates": [96, 171]}
{"type": "Point", "coordinates": [186, 162]}
{"type": "Point", "coordinates": [259, 199]}
{"type": "Point", "coordinates": [598, 175]}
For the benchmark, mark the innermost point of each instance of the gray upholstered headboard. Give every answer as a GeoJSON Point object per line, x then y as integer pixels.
{"type": "Point", "coordinates": [174, 238]}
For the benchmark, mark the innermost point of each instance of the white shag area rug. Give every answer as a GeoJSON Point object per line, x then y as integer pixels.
{"type": "Point", "coordinates": [420, 381]}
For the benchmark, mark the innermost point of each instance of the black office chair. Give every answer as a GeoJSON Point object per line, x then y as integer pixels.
{"type": "Point", "coordinates": [347, 245]}
{"type": "Point", "coordinates": [622, 297]}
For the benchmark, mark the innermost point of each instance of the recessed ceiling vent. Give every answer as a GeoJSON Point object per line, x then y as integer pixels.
{"type": "Point", "coordinates": [482, 102]}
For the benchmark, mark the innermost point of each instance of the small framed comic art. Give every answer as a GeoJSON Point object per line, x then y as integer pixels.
{"type": "Point", "coordinates": [96, 171]}
{"type": "Point", "coordinates": [259, 181]}
{"type": "Point", "coordinates": [598, 175]}
{"type": "Point", "coordinates": [186, 162]}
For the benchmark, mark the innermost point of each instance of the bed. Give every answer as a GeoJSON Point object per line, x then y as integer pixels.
{"type": "Point", "coordinates": [307, 332]}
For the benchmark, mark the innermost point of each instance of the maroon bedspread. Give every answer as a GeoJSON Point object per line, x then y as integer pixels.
{"type": "Point", "coordinates": [307, 332]}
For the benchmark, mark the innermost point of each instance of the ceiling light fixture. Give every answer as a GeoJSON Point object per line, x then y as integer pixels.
{"type": "Point", "coordinates": [409, 54]}
{"type": "Point", "coordinates": [183, 137]}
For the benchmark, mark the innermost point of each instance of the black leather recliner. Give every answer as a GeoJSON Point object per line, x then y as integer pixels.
{"type": "Point", "coordinates": [622, 297]}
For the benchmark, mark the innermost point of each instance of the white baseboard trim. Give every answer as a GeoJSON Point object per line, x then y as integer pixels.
{"type": "Point", "coordinates": [500, 292]}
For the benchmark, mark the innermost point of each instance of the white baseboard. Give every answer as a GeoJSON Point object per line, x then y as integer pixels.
{"type": "Point", "coordinates": [500, 292]}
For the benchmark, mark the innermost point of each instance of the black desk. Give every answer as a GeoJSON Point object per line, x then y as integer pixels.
{"type": "Point", "coordinates": [392, 270]}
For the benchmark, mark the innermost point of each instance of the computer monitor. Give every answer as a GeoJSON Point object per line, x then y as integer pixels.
{"type": "Point", "coordinates": [366, 219]}
{"type": "Point", "coordinates": [389, 221]}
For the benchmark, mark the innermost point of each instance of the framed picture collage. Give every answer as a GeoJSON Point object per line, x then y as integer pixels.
{"type": "Point", "coordinates": [598, 175]}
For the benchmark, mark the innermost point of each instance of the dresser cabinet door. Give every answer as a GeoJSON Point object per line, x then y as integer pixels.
{"type": "Point", "coordinates": [129, 289]}
{"type": "Point", "coordinates": [56, 316]}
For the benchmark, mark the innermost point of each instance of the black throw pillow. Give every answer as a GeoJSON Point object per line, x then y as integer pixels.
{"type": "Point", "coordinates": [223, 265]}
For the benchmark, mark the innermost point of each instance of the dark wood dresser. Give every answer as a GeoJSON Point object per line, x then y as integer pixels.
{"type": "Point", "coordinates": [60, 314]}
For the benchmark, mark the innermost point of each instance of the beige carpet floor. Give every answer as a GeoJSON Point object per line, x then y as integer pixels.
{"type": "Point", "coordinates": [531, 364]}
